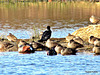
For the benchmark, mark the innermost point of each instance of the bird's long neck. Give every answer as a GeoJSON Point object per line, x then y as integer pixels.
{"type": "Point", "coordinates": [48, 30]}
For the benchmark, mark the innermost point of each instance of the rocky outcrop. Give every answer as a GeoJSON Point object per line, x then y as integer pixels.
{"type": "Point", "coordinates": [86, 32]}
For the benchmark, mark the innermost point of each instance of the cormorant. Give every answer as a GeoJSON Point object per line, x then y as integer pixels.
{"type": "Point", "coordinates": [46, 35]}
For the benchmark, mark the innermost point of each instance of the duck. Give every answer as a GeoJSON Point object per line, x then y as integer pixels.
{"type": "Point", "coordinates": [68, 51]}
{"type": "Point", "coordinates": [97, 42]}
{"type": "Point", "coordinates": [69, 37]}
{"type": "Point", "coordinates": [58, 48]}
{"type": "Point", "coordinates": [46, 35]}
{"type": "Point", "coordinates": [51, 52]}
{"type": "Point", "coordinates": [37, 45]}
{"type": "Point", "coordinates": [2, 47]}
{"type": "Point", "coordinates": [50, 43]}
{"type": "Point", "coordinates": [24, 47]}
{"type": "Point", "coordinates": [78, 39]}
{"type": "Point", "coordinates": [73, 44]}
{"type": "Point", "coordinates": [5, 46]}
{"type": "Point", "coordinates": [11, 37]}
{"type": "Point", "coordinates": [92, 39]}
{"type": "Point", "coordinates": [94, 19]}
{"type": "Point", "coordinates": [21, 43]}
{"type": "Point", "coordinates": [96, 49]}
{"type": "Point", "coordinates": [2, 39]}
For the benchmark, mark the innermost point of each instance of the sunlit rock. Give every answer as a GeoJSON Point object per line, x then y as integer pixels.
{"type": "Point", "coordinates": [86, 32]}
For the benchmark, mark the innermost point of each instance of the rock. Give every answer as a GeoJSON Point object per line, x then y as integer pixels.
{"type": "Point", "coordinates": [86, 32]}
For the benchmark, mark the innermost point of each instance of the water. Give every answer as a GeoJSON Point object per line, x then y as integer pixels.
{"type": "Point", "coordinates": [25, 20]}
{"type": "Point", "coordinates": [38, 63]}
{"type": "Point", "coordinates": [28, 19]}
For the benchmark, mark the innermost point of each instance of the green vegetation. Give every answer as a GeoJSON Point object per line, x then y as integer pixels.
{"type": "Point", "coordinates": [17, 3]}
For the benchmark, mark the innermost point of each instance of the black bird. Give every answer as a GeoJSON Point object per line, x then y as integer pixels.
{"type": "Point", "coordinates": [46, 35]}
{"type": "Point", "coordinates": [52, 52]}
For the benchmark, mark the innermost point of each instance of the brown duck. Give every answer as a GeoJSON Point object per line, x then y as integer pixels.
{"type": "Point", "coordinates": [96, 49]}
{"type": "Point", "coordinates": [97, 42]}
{"type": "Point", "coordinates": [50, 43]}
{"type": "Point", "coordinates": [78, 39]}
{"type": "Point", "coordinates": [11, 37]}
{"type": "Point", "coordinates": [93, 39]}
{"type": "Point", "coordinates": [94, 19]}
{"type": "Point", "coordinates": [68, 51]}
{"type": "Point", "coordinates": [58, 48]}
{"type": "Point", "coordinates": [69, 37]}
{"type": "Point", "coordinates": [73, 44]}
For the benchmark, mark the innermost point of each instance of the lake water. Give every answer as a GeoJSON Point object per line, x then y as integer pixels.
{"type": "Point", "coordinates": [38, 63]}
{"type": "Point", "coordinates": [25, 20]}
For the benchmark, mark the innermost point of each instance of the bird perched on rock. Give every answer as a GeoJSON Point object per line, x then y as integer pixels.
{"type": "Point", "coordinates": [21, 43]}
{"type": "Point", "coordinates": [96, 49]}
{"type": "Point", "coordinates": [97, 42]}
{"type": "Point", "coordinates": [11, 37]}
{"type": "Point", "coordinates": [58, 48]}
{"type": "Point", "coordinates": [24, 47]}
{"type": "Point", "coordinates": [52, 51]}
{"type": "Point", "coordinates": [73, 44]}
{"type": "Point", "coordinates": [92, 39]}
{"type": "Point", "coordinates": [4, 46]}
{"type": "Point", "coordinates": [36, 45]}
{"type": "Point", "coordinates": [46, 35]}
{"type": "Point", "coordinates": [50, 43]}
{"type": "Point", "coordinates": [94, 19]}
{"type": "Point", "coordinates": [78, 39]}
{"type": "Point", "coordinates": [68, 51]}
{"type": "Point", "coordinates": [69, 37]}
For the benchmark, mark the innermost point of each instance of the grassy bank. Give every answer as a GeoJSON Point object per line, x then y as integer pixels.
{"type": "Point", "coordinates": [60, 4]}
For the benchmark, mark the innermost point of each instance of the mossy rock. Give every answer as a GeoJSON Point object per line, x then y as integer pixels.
{"type": "Point", "coordinates": [86, 32]}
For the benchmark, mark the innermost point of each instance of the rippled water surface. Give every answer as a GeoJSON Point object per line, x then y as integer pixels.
{"type": "Point", "coordinates": [39, 63]}
{"type": "Point", "coordinates": [28, 19]}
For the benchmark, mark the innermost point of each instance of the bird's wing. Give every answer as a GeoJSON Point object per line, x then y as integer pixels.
{"type": "Point", "coordinates": [46, 35]}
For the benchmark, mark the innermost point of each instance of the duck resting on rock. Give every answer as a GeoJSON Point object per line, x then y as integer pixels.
{"type": "Point", "coordinates": [74, 45]}
{"type": "Point", "coordinates": [11, 37]}
{"type": "Point", "coordinates": [24, 47]}
{"type": "Point", "coordinates": [49, 43]}
{"type": "Point", "coordinates": [68, 51]}
{"type": "Point", "coordinates": [51, 51]}
{"type": "Point", "coordinates": [94, 20]}
{"type": "Point", "coordinates": [96, 49]}
{"type": "Point", "coordinates": [58, 48]}
{"type": "Point", "coordinates": [92, 39]}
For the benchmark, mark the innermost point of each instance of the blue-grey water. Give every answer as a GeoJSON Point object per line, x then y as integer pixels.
{"type": "Point", "coordinates": [27, 20]}
{"type": "Point", "coordinates": [38, 63]}
{"type": "Point", "coordinates": [29, 28]}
